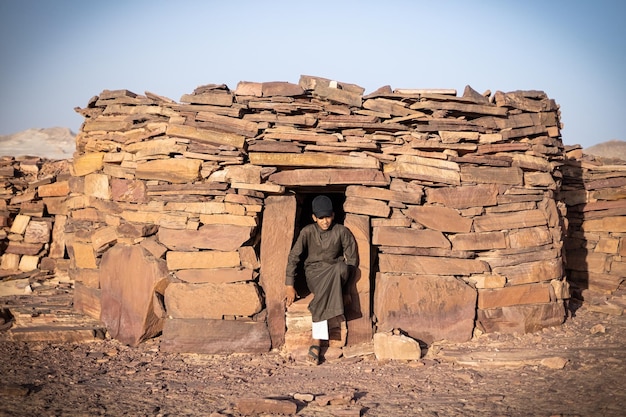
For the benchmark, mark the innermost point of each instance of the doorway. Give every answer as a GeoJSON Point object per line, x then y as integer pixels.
{"type": "Point", "coordinates": [283, 217]}
{"type": "Point", "coordinates": [358, 312]}
{"type": "Point", "coordinates": [304, 200]}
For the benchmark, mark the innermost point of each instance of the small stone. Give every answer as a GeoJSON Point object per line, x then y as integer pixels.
{"type": "Point", "coordinates": [554, 363]}
{"type": "Point", "coordinates": [14, 390]}
{"type": "Point", "coordinates": [347, 412]}
{"type": "Point", "coordinates": [248, 406]}
{"type": "Point", "coordinates": [307, 398]}
{"type": "Point", "coordinates": [465, 377]}
{"type": "Point", "coordinates": [416, 364]}
{"type": "Point", "coordinates": [334, 399]}
{"type": "Point", "coordinates": [607, 308]}
{"type": "Point", "coordinates": [362, 349]}
{"type": "Point", "coordinates": [598, 328]}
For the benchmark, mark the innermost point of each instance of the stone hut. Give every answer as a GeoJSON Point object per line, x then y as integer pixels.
{"type": "Point", "coordinates": [594, 191]}
{"type": "Point", "coordinates": [181, 214]}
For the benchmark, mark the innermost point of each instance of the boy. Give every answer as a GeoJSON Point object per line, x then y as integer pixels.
{"type": "Point", "coordinates": [330, 257]}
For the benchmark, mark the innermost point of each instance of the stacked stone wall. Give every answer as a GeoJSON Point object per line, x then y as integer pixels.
{"type": "Point", "coordinates": [458, 192]}
{"type": "Point", "coordinates": [456, 199]}
{"type": "Point", "coordinates": [594, 190]}
{"type": "Point", "coordinates": [32, 219]}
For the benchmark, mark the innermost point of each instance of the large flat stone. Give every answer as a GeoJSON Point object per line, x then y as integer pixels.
{"type": "Point", "coordinates": [492, 175]}
{"type": "Point", "coordinates": [328, 176]}
{"type": "Point", "coordinates": [530, 237]}
{"type": "Point", "coordinates": [537, 271]}
{"type": "Point", "coordinates": [478, 241]}
{"type": "Point", "coordinates": [506, 221]}
{"type": "Point", "coordinates": [521, 318]}
{"type": "Point", "coordinates": [172, 170]}
{"type": "Point", "coordinates": [515, 295]}
{"type": "Point", "coordinates": [358, 312]}
{"type": "Point", "coordinates": [405, 236]}
{"type": "Point", "coordinates": [130, 279]}
{"type": "Point", "coordinates": [215, 275]}
{"type": "Point", "coordinates": [463, 197]}
{"type": "Point", "coordinates": [430, 265]}
{"type": "Point", "coordinates": [440, 218]}
{"type": "Point", "coordinates": [224, 237]}
{"type": "Point", "coordinates": [378, 193]}
{"type": "Point", "coordinates": [277, 235]}
{"type": "Point", "coordinates": [214, 336]}
{"type": "Point", "coordinates": [426, 307]}
{"type": "Point", "coordinates": [613, 224]}
{"type": "Point", "coordinates": [426, 169]}
{"type": "Point", "coordinates": [366, 206]}
{"type": "Point", "coordinates": [211, 300]}
{"type": "Point", "coordinates": [203, 259]}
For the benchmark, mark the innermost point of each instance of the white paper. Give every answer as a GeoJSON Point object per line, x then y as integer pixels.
{"type": "Point", "coordinates": [320, 330]}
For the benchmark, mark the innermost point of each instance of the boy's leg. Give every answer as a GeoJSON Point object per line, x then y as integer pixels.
{"type": "Point", "coordinates": [314, 351]}
{"type": "Point", "coordinates": [327, 286]}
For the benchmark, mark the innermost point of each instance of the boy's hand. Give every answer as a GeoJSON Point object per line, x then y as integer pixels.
{"type": "Point", "coordinates": [290, 294]}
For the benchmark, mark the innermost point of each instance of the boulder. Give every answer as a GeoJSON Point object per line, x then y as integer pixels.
{"type": "Point", "coordinates": [389, 345]}
{"type": "Point", "coordinates": [132, 281]}
{"type": "Point", "coordinates": [426, 307]}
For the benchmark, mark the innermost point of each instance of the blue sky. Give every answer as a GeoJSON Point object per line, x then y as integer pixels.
{"type": "Point", "coordinates": [56, 55]}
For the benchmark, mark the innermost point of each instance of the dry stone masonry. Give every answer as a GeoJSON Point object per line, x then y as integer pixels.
{"type": "Point", "coordinates": [595, 193]}
{"type": "Point", "coordinates": [453, 196]}
{"type": "Point", "coordinates": [36, 296]}
{"type": "Point", "coordinates": [177, 217]}
{"type": "Point", "coordinates": [32, 216]}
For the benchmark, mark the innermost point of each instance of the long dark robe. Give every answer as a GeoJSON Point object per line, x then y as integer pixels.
{"type": "Point", "coordinates": [330, 257]}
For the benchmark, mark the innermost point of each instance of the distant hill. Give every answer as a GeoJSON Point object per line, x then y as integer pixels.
{"type": "Point", "coordinates": [610, 150]}
{"type": "Point", "coordinates": [51, 143]}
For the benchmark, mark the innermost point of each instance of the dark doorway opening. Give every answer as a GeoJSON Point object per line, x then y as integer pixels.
{"type": "Point", "coordinates": [304, 199]}
{"type": "Point", "coordinates": [358, 309]}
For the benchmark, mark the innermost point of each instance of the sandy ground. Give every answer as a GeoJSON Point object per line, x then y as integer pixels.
{"type": "Point", "coordinates": [576, 369]}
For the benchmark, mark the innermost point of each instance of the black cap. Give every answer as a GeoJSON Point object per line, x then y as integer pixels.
{"type": "Point", "coordinates": [322, 206]}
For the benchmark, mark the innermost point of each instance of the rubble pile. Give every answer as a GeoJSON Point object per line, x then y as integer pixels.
{"type": "Point", "coordinates": [36, 296]}
{"type": "Point", "coordinates": [32, 216]}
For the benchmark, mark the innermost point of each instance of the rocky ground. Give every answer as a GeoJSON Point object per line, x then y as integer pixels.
{"type": "Point", "coordinates": [576, 369]}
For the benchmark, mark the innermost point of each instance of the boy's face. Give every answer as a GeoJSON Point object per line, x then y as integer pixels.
{"type": "Point", "coordinates": [324, 222]}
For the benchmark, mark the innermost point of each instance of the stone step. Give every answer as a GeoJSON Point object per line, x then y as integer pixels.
{"type": "Point", "coordinates": [55, 334]}
{"type": "Point", "coordinates": [46, 315]}
{"type": "Point", "coordinates": [299, 325]}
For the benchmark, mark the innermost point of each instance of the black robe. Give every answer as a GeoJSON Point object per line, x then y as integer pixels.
{"type": "Point", "coordinates": [330, 257]}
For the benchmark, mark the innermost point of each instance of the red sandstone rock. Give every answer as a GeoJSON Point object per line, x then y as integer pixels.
{"type": "Point", "coordinates": [130, 279]}
{"type": "Point", "coordinates": [225, 237]}
{"type": "Point", "coordinates": [211, 301]}
{"type": "Point", "coordinates": [426, 307]}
